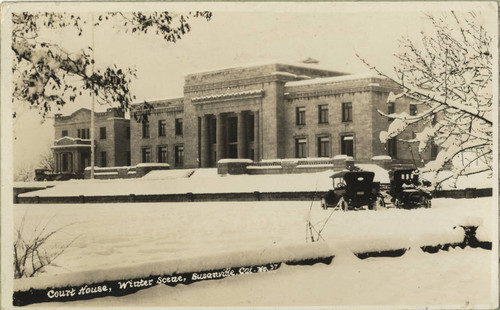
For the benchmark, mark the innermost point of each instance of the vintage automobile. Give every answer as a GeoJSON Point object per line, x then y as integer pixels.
{"type": "Point", "coordinates": [408, 190]}
{"type": "Point", "coordinates": [47, 175]}
{"type": "Point", "coordinates": [353, 190]}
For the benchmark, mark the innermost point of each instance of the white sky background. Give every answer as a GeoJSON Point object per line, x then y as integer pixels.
{"type": "Point", "coordinates": [240, 34]}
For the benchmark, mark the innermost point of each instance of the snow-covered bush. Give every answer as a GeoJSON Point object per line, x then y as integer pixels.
{"type": "Point", "coordinates": [32, 254]}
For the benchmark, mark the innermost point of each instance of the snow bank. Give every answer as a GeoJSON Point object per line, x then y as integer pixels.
{"type": "Point", "coordinates": [382, 157]}
{"type": "Point", "coordinates": [153, 165]}
{"type": "Point", "coordinates": [168, 174]}
{"type": "Point", "coordinates": [480, 180]}
{"type": "Point", "coordinates": [176, 266]}
{"type": "Point", "coordinates": [235, 160]}
{"type": "Point", "coordinates": [202, 181]}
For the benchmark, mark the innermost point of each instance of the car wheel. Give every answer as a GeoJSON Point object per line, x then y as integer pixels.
{"type": "Point", "coordinates": [426, 202]}
{"type": "Point", "coordinates": [342, 204]}
{"type": "Point", "coordinates": [379, 203]}
{"type": "Point", "coordinates": [323, 203]}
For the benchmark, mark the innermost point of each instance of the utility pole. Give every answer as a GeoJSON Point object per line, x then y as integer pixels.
{"type": "Point", "coordinates": [92, 133]}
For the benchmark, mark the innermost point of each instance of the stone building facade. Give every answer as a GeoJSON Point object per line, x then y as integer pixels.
{"type": "Point", "coordinates": [72, 145]}
{"type": "Point", "coordinates": [270, 111]}
{"type": "Point", "coordinates": [264, 112]}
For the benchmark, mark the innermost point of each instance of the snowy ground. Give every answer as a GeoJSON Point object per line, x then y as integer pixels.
{"type": "Point", "coordinates": [130, 236]}
{"type": "Point", "coordinates": [207, 181]}
{"type": "Point", "coordinates": [455, 279]}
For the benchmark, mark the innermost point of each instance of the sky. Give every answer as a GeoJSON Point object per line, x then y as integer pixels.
{"type": "Point", "coordinates": [237, 35]}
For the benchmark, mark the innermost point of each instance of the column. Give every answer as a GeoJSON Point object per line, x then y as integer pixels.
{"type": "Point", "coordinates": [256, 137]}
{"type": "Point", "coordinates": [56, 157]}
{"type": "Point", "coordinates": [221, 141]}
{"type": "Point", "coordinates": [72, 161]}
{"type": "Point", "coordinates": [205, 141]}
{"type": "Point", "coordinates": [242, 135]}
{"type": "Point", "coordinates": [77, 161]}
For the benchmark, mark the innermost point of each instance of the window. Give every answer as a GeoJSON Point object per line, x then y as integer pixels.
{"type": "Point", "coordinates": [392, 149]}
{"type": "Point", "coordinates": [146, 155]}
{"type": "Point", "coordinates": [178, 126]}
{"type": "Point", "coordinates": [128, 158]}
{"type": "Point", "coordinates": [347, 111]}
{"type": "Point", "coordinates": [413, 109]}
{"type": "Point", "coordinates": [83, 133]}
{"type": "Point", "coordinates": [347, 145]}
{"type": "Point", "coordinates": [390, 110]}
{"type": "Point", "coordinates": [324, 147]}
{"type": "Point", "coordinates": [301, 115]}
{"type": "Point", "coordinates": [64, 133]}
{"type": "Point", "coordinates": [434, 150]}
{"type": "Point", "coordinates": [323, 114]}
{"type": "Point", "coordinates": [162, 128]}
{"type": "Point", "coordinates": [179, 155]}
{"type": "Point", "coordinates": [162, 154]}
{"type": "Point", "coordinates": [103, 159]}
{"type": "Point", "coordinates": [145, 129]}
{"type": "Point", "coordinates": [127, 133]}
{"type": "Point", "coordinates": [102, 133]}
{"type": "Point", "coordinates": [301, 148]}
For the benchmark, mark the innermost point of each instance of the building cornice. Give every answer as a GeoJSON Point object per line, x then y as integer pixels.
{"type": "Point", "coordinates": [334, 92]}
{"type": "Point", "coordinates": [249, 94]}
{"type": "Point", "coordinates": [158, 110]}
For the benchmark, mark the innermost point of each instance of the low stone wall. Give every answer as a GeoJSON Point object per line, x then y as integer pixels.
{"type": "Point", "coordinates": [186, 197]}
{"type": "Point", "coordinates": [243, 196]}
{"type": "Point", "coordinates": [295, 165]}
{"type": "Point", "coordinates": [145, 168]}
{"type": "Point", "coordinates": [287, 166]}
{"type": "Point", "coordinates": [233, 166]}
{"type": "Point", "coordinates": [22, 190]}
{"type": "Point", "coordinates": [126, 172]}
{"type": "Point", "coordinates": [463, 193]}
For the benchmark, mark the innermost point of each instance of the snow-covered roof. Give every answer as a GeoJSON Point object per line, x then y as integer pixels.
{"type": "Point", "coordinates": [266, 63]}
{"type": "Point", "coordinates": [334, 79]}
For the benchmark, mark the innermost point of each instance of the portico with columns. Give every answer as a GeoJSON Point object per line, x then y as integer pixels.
{"type": "Point", "coordinates": [228, 128]}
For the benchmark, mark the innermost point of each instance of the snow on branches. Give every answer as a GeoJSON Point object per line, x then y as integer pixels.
{"type": "Point", "coordinates": [449, 77]}
{"type": "Point", "coordinates": [47, 75]}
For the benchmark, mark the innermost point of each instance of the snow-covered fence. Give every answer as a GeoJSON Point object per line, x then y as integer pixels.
{"type": "Point", "coordinates": [184, 197]}
{"type": "Point", "coordinates": [111, 172]}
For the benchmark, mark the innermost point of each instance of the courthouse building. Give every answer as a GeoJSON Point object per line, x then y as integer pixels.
{"type": "Point", "coordinates": [272, 111]}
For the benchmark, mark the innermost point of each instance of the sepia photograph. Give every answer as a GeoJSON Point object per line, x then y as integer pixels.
{"type": "Point", "coordinates": [250, 154]}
